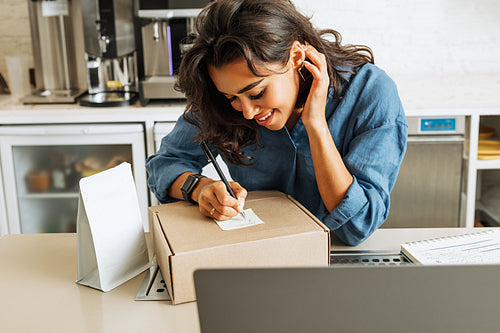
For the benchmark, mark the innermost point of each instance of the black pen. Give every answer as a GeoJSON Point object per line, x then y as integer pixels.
{"type": "Point", "coordinates": [210, 158]}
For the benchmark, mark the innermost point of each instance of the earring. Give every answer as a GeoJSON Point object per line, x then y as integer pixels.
{"type": "Point", "coordinates": [300, 71]}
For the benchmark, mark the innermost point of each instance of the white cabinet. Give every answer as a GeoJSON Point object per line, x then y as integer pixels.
{"type": "Point", "coordinates": [160, 130]}
{"type": "Point", "coordinates": [488, 174]}
{"type": "Point", "coordinates": [42, 165]}
{"type": "Point", "coordinates": [3, 209]}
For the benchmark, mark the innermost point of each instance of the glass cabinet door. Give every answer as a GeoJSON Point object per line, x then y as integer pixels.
{"type": "Point", "coordinates": [3, 209]}
{"type": "Point", "coordinates": [42, 172]}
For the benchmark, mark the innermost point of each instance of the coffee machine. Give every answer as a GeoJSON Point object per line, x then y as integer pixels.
{"type": "Point", "coordinates": [166, 31]}
{"type": "Point", "coordinates": [110, 52]}
{"type": "Point", "coordinates": [58, 51]}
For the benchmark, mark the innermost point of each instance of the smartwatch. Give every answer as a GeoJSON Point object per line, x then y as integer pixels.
{"type": "Point", "coordinates": [189, 185]}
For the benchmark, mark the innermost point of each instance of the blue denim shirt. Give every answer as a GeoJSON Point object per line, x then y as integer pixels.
{"type": "Point", "coordinates": [369, 128]}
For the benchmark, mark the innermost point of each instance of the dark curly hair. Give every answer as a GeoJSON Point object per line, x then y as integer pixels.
{"type": "Point", "coordinates": [261, 32]}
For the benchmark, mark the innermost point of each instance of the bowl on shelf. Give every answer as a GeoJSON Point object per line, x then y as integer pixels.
{"type": "Point", "coordinates": [488, 150]}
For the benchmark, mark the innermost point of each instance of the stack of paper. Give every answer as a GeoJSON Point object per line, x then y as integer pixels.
{"type": "Point", "coordinates": [475, 248]}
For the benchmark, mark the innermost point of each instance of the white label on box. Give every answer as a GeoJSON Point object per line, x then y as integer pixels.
{"type": "Point", "coordinates": [239, 221]}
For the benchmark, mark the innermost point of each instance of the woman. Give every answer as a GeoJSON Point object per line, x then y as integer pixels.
{"type": "Point", "coordinates": [289, 108]}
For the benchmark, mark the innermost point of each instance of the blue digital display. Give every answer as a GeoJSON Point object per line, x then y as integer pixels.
{"type": "Point", "coordinates": [437, 124]}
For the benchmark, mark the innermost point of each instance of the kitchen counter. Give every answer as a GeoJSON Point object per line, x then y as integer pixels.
{"type": "Point", "coordinates": [13, 112]}
{"type": "Point", "coordinates": [39, 293]}
{"type": "Point", "coordinates": [441, 95]}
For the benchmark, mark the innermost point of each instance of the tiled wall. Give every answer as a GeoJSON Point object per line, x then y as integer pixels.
{"type": "Point", "coordinates": [407, 36]}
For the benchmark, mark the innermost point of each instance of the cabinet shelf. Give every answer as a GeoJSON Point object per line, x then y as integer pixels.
{"type": "Point", "coordinates": [50, 195]}
{"type": "Point", "coordinates": [488, 164]}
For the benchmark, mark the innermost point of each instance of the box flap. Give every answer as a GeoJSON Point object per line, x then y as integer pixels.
{"type": "Point", "coordinates": [187, 230]}
{"type": "Point", "coordinates": [163, 253]}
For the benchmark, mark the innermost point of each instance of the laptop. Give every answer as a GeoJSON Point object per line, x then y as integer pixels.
{"type": "Point", "coordinates": [350, 298]}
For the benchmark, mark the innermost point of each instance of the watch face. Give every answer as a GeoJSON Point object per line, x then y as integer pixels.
{"type": "Point", "coordinates": [188, 183]}
{"type": "Point", "coordinates": [188, 186]}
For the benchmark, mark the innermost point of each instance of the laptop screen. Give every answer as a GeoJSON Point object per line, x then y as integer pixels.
{"type": "Point", "coordinates": [349, 298]}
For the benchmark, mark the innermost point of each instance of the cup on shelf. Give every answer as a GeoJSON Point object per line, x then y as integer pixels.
{"type": "Point", "coordinates": [38, 180]}
{"type": "Point", "coordinates": [18, 75]}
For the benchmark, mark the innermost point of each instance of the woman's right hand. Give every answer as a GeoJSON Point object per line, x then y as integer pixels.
{"type": "Point", "coordinates": [215, 201]}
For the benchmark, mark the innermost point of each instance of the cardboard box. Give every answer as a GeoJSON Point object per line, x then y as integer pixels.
{"type": "Point", "coordinates": [184, 240]}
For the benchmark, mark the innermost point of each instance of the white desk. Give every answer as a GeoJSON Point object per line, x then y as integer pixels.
{"type": "Point", "coordinates": [389, 240]}
{"type": "Point", "coordinates": [38, 292]}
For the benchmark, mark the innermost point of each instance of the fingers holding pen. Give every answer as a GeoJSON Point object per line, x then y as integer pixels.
{"type": "Point", "coordinates": [230, 206]}
{"type": "Point", "coordinates": [215, 201]}
{"type": "Point", "coordinates": [241, 195]}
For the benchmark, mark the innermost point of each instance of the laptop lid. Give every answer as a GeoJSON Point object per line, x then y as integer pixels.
{"type": "Point", "coordinates": [406, 298]}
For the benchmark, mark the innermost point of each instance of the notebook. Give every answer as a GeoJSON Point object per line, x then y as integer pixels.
{"type": "Point", "coordinates": [349, 298]}
{"type": "Point", "coordinates": [481, 247]}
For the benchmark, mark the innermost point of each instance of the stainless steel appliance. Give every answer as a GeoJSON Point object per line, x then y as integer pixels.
{"type": "Point", "coordinates": [167, 30]}
{"type": "Point", "coordinates": [110, 52]}
{"type": "Point", "coordinates": [429, 186]}
{"type": "Point", "coordinates": [58, 51]}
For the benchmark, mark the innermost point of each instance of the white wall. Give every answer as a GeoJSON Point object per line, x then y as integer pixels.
{"type": "Point", "coordinates": [407, 36]}
{"type": "Point", "coordinates": [417, 36]}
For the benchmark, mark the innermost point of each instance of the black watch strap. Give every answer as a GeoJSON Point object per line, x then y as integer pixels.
{"type": "Point", "coordinates": [189, 185]}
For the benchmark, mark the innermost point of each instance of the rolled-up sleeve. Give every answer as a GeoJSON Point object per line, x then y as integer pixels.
{"type": "Point", "coordinates": [177, 154]}
{"type": "Point", "coordinates": [374, 164]}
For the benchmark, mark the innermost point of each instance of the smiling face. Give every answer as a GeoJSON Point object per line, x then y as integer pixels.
{"type": "Point", "coordinates": [269, 100]}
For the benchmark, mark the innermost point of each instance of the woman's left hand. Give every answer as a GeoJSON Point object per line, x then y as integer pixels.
{"type": "Point", "coordinates": [332, 177]}
{"type": "Point", "coordinates": [314, 108]}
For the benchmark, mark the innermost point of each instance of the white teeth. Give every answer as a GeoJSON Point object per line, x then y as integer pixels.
{"type": "Point", "coordinates": [266, 116]}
